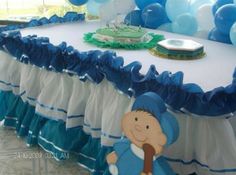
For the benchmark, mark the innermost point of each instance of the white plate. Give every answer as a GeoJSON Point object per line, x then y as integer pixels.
{"type": "Point", "coordinates": [180, 44]}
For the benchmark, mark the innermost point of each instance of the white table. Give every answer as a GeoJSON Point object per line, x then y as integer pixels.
{"type": "Point", "coordinates": [206, 146]}
{"type": "Point", "coordinates": [215, 70]}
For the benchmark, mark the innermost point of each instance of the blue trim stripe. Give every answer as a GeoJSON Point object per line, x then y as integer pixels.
{"type": "Point", "coordinates": [9, 84]}
{"type": "Point", "coordinates": [48, 117]}
{"type": "Point", "coordinates": [22, 93]}
{"type": "Point", "coordinates": [48, 107]}
{"type": "Point", "coordinates": [111, 136]}
{"type": "Point", "coordinates": [203, 165]}
{"type": "Point", "coordinates": [93, 129]}
{"type": "Point", "coordinates": [75, 116]}
{"type": "Point", "coordinates": [78, 127]}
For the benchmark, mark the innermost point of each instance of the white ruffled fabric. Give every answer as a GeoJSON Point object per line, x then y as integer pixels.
{"type": "Point", "coordinates": [54, 98]}
{"type": "Point", "coordinates": [115, 105]}
{"type": "Point", "coordinates": [93, 110]}
{"type": "Point", "coordinates": [77, 103]}
{"type": "Point", "coordinates": [205, 145]}
{"type": "Point", "coordinates": [7, 68]}
{"type": "Point", "coordinates": [232, 121]}
{"type": "Point", "coordinates": [30, 83]}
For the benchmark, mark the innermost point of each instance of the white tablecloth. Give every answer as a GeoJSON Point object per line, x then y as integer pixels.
{"type": "Point", "coordinates": [214, 70]}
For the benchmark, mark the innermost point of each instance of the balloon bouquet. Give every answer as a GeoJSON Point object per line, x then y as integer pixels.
{"type": "Point", "coordinates": [225, 22]}
{"type": "Point", "coordinates": [212, 19]}
{"type": "Point", "coordinates": [209, 19]}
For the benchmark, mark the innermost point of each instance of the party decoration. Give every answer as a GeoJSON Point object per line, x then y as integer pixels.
{"type": "Point", "coordinates": [123, 6]}
{"type": "Point", "coordinates": [205, 17]}
{"type": "Point", "coordinates": [185, 24]}
{"type": "Point", "coordinates": [93, 7]}
{"type": "Point", "coordinates": [144, 3]}
{"type": "Point", "coordinates": [175, 8]}
{"type": "Point", "coordinates": [220, 3]}
{"type": "Point", "coordinates": [101, 1]}
{"type": "Point", "coordinates": [196, 4]}
{"type": "Point", "coordinates": [233, 34]}
{"type": "Point", "coordinates": [225, 17]}
{"type": "Point", "coordinates": [154, 15]}
{"type": "Point", "coordinates": [134, 18]}
{"type": "Point", "coordinates": [216, 35]}
{"type": "Point", "coordinates": [78, 2]}
{"type": "Point", "coordinates": [149, 129]}
{"type": "Point", "coordinates": [123, 37]}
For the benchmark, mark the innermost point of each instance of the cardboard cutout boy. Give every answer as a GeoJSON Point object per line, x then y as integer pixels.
{"type": "Point", "coordinates": [148, 129]}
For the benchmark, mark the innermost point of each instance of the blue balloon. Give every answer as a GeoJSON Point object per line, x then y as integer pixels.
{"type": "Point", "coordinates": [93, 8]}
{"type": "Point", "coordinates": [175, 8]}
{"type": "Point", "coordinates": [185, 24]}
{"type": "Point", "coordinates": [233, 34]}
{"type": "Point", "coordinates": [220, 3]}
{"type": "Point", "coordinates": [216, 35]}
{"type": "Point", "coordinates": [134, 18]}
{"type": "Point", "coordinates": [78, 2]}
{"type": "Point", "coordinates": [144, 3]}
{"type": "Point", "coordinates": [225, 17]}
{"type": "Point", "coordinates": [154, 15]}
{"type": "Point", "coordinates": [101, 1]}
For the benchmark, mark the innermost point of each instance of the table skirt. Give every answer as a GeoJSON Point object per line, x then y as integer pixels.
{"type": "Point", "coordinates": [64, 114]}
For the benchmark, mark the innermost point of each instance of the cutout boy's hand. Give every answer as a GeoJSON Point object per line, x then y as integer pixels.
{"type": "Point", "coordinates": [111, 158]}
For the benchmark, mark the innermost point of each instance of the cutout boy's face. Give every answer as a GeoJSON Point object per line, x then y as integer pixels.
{"type": "Point", "coordinates": [142, 128]}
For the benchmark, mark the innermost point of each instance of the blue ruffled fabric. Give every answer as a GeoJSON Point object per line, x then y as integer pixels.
{"type": "Point", "coordinates": [56, 139]}
{"type": "Point", "coordinates": [49, 134]}
{"type": "Point", "coordinates": [95, 65]}
{"type": "Point", "coordinates": [68, 17]}
{"type": "Point", "coordinates": [93, 156]}
{"type": "Point", "coordinates": [20, 116]}
{"type": "Point", "coordinates": [52, 135]}
{"type": "Point", "coordinates": [4, 96]}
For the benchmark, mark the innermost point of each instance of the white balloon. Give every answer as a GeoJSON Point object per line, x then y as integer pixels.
{"type": "Point", "coordinates": [124, 6]}
{"type": "Point", "coordinates": [205, 17]}
{"type": "Point", "coordinates": [195, 4]}
{"type": "Point", "coordinates": [107, 12]}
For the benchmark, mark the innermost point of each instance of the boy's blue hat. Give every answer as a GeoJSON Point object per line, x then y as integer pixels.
{"type": "Point", "coordinates": [152, 103]}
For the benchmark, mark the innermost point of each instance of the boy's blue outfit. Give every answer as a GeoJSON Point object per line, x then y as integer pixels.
{"type": "Point", "coordinates": [131, 159]}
